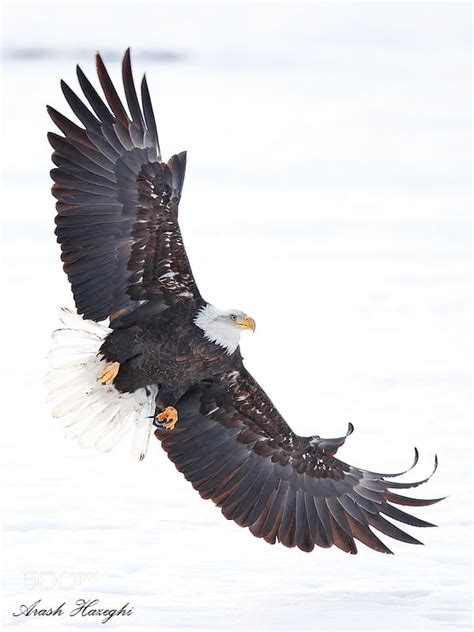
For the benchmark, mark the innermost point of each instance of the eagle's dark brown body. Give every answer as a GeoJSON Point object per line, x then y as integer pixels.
{"type": "Point", "coordinates": [165, 348]}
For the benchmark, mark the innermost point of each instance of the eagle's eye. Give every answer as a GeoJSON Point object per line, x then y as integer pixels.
{"type": "Point", "coordinates": [233, 317]}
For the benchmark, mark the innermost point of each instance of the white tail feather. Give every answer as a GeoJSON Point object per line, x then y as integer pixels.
{"type": "Point", "coordinates": [70, 336]}
{"type": "Point", "coordinates": [71, 320]}
{"type": "Point", "coordinates": [141, 437]}
{"type": "Point", "coordinates": [118, 428]}
{"type": "Point", "coordinates": [94, 414]}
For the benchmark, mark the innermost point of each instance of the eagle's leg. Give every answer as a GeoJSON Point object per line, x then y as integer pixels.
{"type": "Point", "coordinates": [108, 375]}
{"type": "Point", "coordinates": [166, 414]}
{"type": "Point", "coordinates": [167, 418]}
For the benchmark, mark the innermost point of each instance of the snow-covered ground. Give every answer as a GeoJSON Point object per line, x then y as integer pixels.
{"type": "Point", "coordinates": [328, 195]}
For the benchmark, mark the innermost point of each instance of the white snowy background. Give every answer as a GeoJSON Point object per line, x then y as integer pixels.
{"type": "Point", "coordinates": [328, 195]}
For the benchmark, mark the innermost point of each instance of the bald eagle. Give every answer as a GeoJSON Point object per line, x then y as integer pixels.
{"type": "Point", "coordinates": [171, 360]}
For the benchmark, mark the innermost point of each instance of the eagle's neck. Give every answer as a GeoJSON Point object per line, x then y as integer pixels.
{"type": "Point", "coordinates": [216, 330]}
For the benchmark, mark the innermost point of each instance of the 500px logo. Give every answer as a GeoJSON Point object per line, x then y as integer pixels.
{"type": "Point", "coordinates": [57, 580]}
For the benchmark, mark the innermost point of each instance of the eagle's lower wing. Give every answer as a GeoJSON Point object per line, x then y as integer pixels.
{"type": "Point", "coordinates": [117, 209]}
{"type": "Point", "coordinates": [236, 449]}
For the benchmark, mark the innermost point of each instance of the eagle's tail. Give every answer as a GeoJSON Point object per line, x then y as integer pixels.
{"type": "Point", "coordinates": [95, 414]}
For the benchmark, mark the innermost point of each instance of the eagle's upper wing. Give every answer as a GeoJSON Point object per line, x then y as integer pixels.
{"type": "Point", "coordinates": [117, 219]}
{"type": "Point", "coordinates": [236, 449]}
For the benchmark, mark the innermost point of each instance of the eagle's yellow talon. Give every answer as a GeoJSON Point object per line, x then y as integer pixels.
{"type": "Point", "coordinates": [109, 374]}
{"type": "Point", "coordinates": [168, 418]}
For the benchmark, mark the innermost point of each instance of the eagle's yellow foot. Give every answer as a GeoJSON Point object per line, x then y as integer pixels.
{"type": "Point", "coordinates": [109, 374]}
{"type": "Point", "coordinates": [168, 418]}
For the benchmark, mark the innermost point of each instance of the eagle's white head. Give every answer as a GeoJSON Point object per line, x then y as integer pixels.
{"type": "Point", "coordinates": [223, 326]}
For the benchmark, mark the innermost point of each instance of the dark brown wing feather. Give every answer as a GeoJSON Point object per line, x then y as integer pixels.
{"type": "Point", "coordinates": [236, 449]}
{"type": "Point", "coordinates": [117, 219]}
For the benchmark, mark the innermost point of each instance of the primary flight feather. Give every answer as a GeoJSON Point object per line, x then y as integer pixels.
{"type": "Point", "coordinates": [170, 359]}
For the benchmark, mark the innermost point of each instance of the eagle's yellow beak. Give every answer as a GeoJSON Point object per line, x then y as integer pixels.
{"type": "Point", "coordinates": [246, 323]}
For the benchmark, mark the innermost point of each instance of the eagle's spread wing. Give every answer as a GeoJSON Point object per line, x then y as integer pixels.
{"type": "Point", "coordinates": [117, 219]}
{"type": "Point", "coordinates": [236, 449]}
